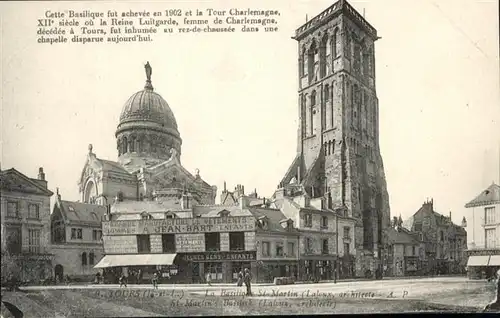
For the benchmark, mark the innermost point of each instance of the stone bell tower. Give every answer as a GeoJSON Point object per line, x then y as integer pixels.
{"type": "Point", "coordinates": [338, 154]}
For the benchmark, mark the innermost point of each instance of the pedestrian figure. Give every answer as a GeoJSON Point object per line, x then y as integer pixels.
{"type": "Point", "coordinates": [248, 280]}
{"type": "Point", "coordinates": [209, 279]}
{"type": "Point", "coordinates": [97, 278]}
{"type": "Point", "coordinates": [155, 280]}
{"type": "Point", "coordinates": [240, 279]}
{"type": "Point", "coordinates": [123, 281]}
{"type": "Point", "coordinates": [139, 276]}
{"type": "Point", "coordinates": [495, 305]}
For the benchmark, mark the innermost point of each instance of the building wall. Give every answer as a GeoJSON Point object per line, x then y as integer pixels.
{"type": "Point", "coordinates": [43, 223]}
{"type": "Point", "coordinates": [185, 243]}
{"type": "Point", "coordinates": [69, 256]}
{"type": "Point", "coordinates": [87, 233]}
{"type": "Point", "coordinates": [476, 235]}
{"type": "Point", "coordinates": [274, 240]}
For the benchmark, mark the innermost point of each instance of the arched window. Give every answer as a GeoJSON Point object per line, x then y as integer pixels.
{"type": "Point", "coordinates": [357, 58]}
{"type": "Point", "coordinates": [132, 144]}
{"type": "Point", "coordinates": [348, 43]}
{"type": "Point", "coordinates": [313, 111]}
{"type": "Point", "coordinates": [125, 145]}
{"type": "Point", "coordinates": [84, 259]}
{"type": "Point", "coordinates": [303, 62]}
{"type": "Point", "coordinates": [91, 258]}
{"type": "Point", "coordinates": [119, 146]}
{"type": "Point", "coordinates": [327, 92]}
{"type": "Point", "coordinates": [322, 56]}
{"type": "Point", "coordinates": [312, 58]}
{"type": "Point", "coordinates": [336, 43]}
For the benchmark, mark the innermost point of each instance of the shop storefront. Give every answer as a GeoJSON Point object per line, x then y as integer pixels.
{"type": "Point", "coordinates": [483, 264]}
{"type": "Point", "coordinates": [317, 269]}
{"type": "Point", "coordinates": [346, 267]}
{"type": "Point", "coordinates": [411, 265]}
{"type": "Point", "coordinates": [269, 269]}
{"type": "Point", "coordinates": [222, 267]}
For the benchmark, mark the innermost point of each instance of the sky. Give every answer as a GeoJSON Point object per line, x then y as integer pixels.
{"type": "Point", "coordinates": [235, 96]}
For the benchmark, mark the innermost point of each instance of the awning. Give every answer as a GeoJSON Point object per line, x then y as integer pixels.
{"type": "Point", "coordinates": [136, 260]}
{"type": "Point", "coordinates": [494, 260]}
{"type": "Point", "coordinates": [478, 260]}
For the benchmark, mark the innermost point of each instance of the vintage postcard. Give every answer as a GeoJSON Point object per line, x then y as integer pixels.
{"type": "Point", "coordinates": [238, 158]}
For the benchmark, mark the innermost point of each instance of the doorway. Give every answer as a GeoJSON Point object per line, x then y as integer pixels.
{"type": "Point", "coordinates": [59, 272]}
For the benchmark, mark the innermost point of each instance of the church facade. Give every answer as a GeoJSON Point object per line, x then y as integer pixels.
{"type": "Point", "coordinates": [338, 157]}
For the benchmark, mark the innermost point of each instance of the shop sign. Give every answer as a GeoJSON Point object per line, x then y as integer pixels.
{"type": "Point", "coordinates": [179, 225]}
{"type": "Point", "coordinates": [219, 256]}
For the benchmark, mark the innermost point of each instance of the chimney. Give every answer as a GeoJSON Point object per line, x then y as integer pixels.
{"type": "Point", "coordinates": [57, 193]}
{"type": "Point", "coordinates": [243, 202]}
{"type": "Point", "coordinates": [224, 186]}
{"type": "Point", "coordinates": [450, 215]}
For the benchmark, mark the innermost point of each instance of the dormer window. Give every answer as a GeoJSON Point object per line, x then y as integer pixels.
{"type": "Point", "coordinates": [146, 216]}
{"type": "Point", "coordinates": [263, 222]}
{"type": "Point", "coordinates": [224, 213]}
{"type": "Point", "coordinates": [287, 224]}
{"type": "Point", "coordinates": [170, 215]}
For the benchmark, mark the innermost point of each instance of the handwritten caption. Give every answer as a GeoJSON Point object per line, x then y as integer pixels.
{"type": "Point", "coordinates": [89, 26]}
{"type": "Point", "coordinates": [262, 298]}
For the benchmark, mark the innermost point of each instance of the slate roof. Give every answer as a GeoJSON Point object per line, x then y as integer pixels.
{"type": "Point", "coordinates": [274, 218]}
{"type": "Point", "coordinates": [487, 197]}
{"type": "Point", "coordinates": [400, 237]}
{"type": "Point", "coordinates": [76, 212]}
{"type": "Point", "coordinates": [213, 210]}
{"type": "Point", "coordinates": [133, 207]}
{"type": "Point", "coordinates": [113, 166]}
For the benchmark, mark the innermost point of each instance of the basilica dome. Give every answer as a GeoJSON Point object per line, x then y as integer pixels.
{"type": "Point", "coordinates": [147, 128]}
{"type": "Point", "coordinates": [147, 105]}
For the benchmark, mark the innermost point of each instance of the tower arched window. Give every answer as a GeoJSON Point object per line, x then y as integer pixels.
{"type": "Point", "coordinates": [322, 56]}
{"type": "Point", "coordinates": [357, 58]}
{"type": "Point", "coordinates": [91, 258]}
{"type": "Point", "coordinates": [348, 44]}
{"type": "Point", "coordinates": [313, 111]}
{"type": "Point", "coordinates": [125, 145]}
{"type": "Point", "coordinates": [303, 62]}
{"type": "Point", "coordinates": [336, 43]}
{"type": "Point", "coordinates": [312, 59]}
{"type": "Point", "coordinates": [366, 61]}
{"type": "Point", "coordinates": [84, 259]}
{"type": "Point", "coordinates": [327, 92]}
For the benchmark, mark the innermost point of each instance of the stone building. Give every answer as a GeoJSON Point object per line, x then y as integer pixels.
{"type": "Point", "coordinates": [25, 219]}
{"type": "Point", "coordinates": [483, 229]}
{"type": "Point", "coordinates": [445, 243]}
{"type": "Point", "coordinates": [76, 238]}
{"type": "Point", "coordinates": [326, 236]}
{"type": "Point", "coordinates": [338, 151]}
{"type": "Point", "coordinates": [405, 251]}
{"type": "Point", "coordinates": [185, 244]}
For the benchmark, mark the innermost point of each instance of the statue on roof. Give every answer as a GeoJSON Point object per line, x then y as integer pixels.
{"type": "Point", "coordinates": [149, 71]}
